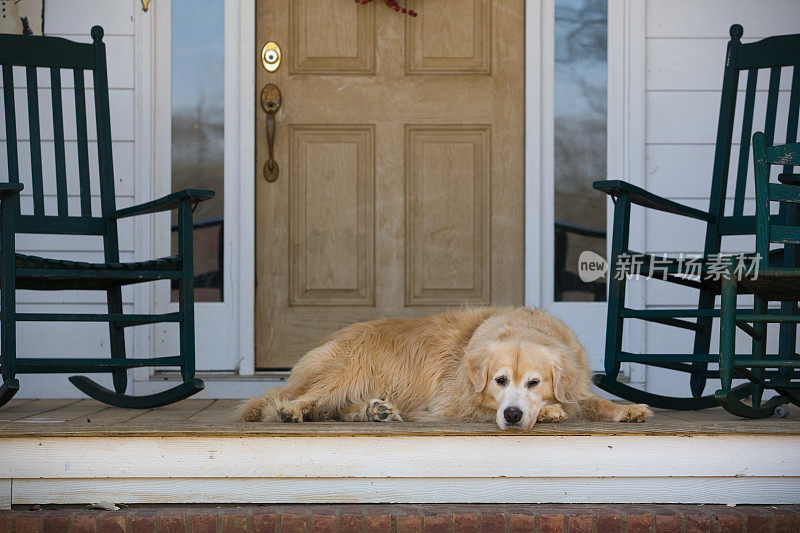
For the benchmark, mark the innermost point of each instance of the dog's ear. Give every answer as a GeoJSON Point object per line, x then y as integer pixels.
{"type": "Point", "coordinates": [570, 381]}
{"type": "Point", "coordinates": [477, 368]}
{"type": "Point", "coordinates": [560, 388]}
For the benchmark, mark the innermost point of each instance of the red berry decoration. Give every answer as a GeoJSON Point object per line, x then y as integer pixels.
{"type": "Point", "coordinates": [392, 4]}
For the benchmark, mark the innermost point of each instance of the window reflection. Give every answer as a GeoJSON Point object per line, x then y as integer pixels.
{"type": "Point", "coordinates": [198, 54]}
{"type": "Point", "coordinates": [581, 32]}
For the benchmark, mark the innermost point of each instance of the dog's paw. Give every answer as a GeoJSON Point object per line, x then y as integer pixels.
{"type": "Point", "coordinates": [634, 413]}
{"type": "Point", "coordinates": [290, 412]}
{"type": "Point", "coordinates": [381, 411]}
{"type": "Point", "coordinates": [551, 413]}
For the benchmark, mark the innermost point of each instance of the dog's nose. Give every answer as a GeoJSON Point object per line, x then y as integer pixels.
{"type": "Point", "coordinates": [512, 415]}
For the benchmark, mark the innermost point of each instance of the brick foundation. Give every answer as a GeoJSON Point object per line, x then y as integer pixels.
{"type": "Point", "coordinates": [408, 518]}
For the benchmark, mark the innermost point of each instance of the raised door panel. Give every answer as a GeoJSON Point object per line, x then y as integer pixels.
{"type": "Point", "coordinates": [331, 38]}
{"type": "Point", "coordinates": [332, 215]}
{"type": "Point", "coordinates": [450, 37]}
{"type": "Point", "coordinates": [447, 215]}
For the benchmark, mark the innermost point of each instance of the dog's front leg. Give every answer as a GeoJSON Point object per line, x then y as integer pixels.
{"type": "Point", "coordinates": [596, 408]}
{"type": "Point", "coordinates": [552, 413]}
{"type": "Point", "coordinates": [374, 410]}
{"type": "Point", "coordinates": [297, 410]}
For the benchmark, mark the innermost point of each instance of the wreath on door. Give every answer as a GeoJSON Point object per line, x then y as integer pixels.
{"type": "Point", "coordinates": [394, 5]}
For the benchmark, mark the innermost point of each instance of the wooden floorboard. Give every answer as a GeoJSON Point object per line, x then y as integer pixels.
{"type": "Point", "coordinates": [213, 417]}
{"type": "Point", "coordinates": [220, 412]}
{"type": "Point", "coordinates": [175, 413]}
{"type": "Point", "coordinates": [33, 409]}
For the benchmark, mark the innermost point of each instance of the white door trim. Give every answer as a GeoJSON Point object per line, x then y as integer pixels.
{"type": "Point", "coordinates": [537, 91]}
{"type": "Point", "coordinates": [233, 318]}
{"type": "Point", "coordinates": [247, 217]}
{"type": "Point", "coordinates": [625, 159]}
{"type": "Point", "coordinates": [240, 80]}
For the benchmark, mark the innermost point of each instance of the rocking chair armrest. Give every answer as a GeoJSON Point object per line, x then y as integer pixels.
{"type": "Point", "coordinates": [641, 197]}
{"type": "Point", "coordinates": [166, 203]}
{"type": "Point", "coordinates": [8, 189]}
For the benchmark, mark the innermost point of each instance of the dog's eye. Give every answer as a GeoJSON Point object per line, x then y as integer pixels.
{"type": "Point", "coordinates": [501, 381]}
{"type": "Point", "coordinates": [532, 383]}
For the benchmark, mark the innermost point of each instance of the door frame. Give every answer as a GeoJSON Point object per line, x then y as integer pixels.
{"type": "Point", "coordinates": [625, 148]}
{"type": "Point", "coordinates": [626, 155]}
{"type": "Point", "coordinates": [153, 179]}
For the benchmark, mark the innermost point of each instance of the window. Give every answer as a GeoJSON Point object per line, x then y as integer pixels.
{"type": "Point", "coordinates": [198, 112]}
{"type": "Point", "coordinates": [580, 83]}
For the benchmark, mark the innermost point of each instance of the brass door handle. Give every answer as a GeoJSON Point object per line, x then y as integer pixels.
{"type": "Point", "coordinates": [270, 103]}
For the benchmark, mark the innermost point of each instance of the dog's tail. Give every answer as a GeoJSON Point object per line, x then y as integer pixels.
{"type": "Point", "coordinates": [258, 409]}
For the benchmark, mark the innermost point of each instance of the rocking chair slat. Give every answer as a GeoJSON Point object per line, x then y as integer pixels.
{"type": "Point", "coordinates": [683, 313]}
{"type": "Point", "coordinates": [783, 154]}
{"type": "Point", "coordinates": [35, 140]}
{"type": "Point", "coordinates": [668, 357]}
{"type": "Point", "coordinates": [772, 103]}
{"type": "Point", "coordinates": [11, 128]}
{"type": "Point", "coordinates": [744, 147]}
{"type": "Point", "coordinates": [127, 320]}
{"type": "Point", "coordinates": [794, 110]}
{"type": "Point", "coordinates": [83, 144]}
{"type": "Point", "coordinates": [784, 193]}
{"type": "Point", "coordinates": [785, 235]}
{"type": "Point", "coordinates": [46, 365]}
{"type": "Point", "coordinates": [770, 52]}
{"type": "Point", "coordinates": [58, 138]}
{"type": "Point", "coordinates": [61, 225]}
{"type": "Point", "coordinates": [121, 275]}
{"type": "Point", "coordinates": [771, 363]}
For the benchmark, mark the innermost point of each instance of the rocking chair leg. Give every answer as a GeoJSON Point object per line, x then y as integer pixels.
{"type": "Point", "coordinates": [8, 306]}
{"type": "Point", "coordinates": [727, 335]}
{"type": "Point", "coordinates": [792, 395]}
{"type": "Point", "coordinates": [616, 287]}
{"type": "Point", "coordinates": [7, 390]}
{"type": "Point", "coordinates": [117, 337]}
{"type": "Point", "coordinates": [759, 351]}
{"type": "Point", "coordinates": [186, 290]}
{"type": "Point", "coordinates": [702, 344]}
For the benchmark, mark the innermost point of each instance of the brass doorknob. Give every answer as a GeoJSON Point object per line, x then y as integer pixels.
{"type": "Point", "coordinates": [270, 103]}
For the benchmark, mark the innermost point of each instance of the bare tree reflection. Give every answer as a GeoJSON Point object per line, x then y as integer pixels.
{"type": "Point", "coordinates": [579, 138]}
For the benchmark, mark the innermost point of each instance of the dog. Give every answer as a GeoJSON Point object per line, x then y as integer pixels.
{"type": "Point", "coordinates": [515, 366]}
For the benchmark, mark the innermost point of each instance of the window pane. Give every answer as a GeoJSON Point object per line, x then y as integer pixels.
{"type": "Point", "coordinates": [581, 32]}
{"type": "Point", "coordinates": [198, 55]}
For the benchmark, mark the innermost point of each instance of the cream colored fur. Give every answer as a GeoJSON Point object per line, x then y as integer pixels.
{"type": "Point", "coordinates": [444, 366]}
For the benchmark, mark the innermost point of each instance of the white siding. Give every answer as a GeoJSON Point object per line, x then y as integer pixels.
{"type": "Point", "coordinates": [685, 52]}
{"type": "Point", "coordinates": [73, 20]}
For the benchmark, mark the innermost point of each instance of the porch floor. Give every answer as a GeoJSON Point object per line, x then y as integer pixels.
{"type": "Point", "coordinates": [81, 451]}
{"type": "Point", "coordinates": [89, 418]}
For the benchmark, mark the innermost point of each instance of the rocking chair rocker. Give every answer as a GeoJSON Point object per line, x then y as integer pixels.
{"type": "Point", "coordinates": [18, 271]}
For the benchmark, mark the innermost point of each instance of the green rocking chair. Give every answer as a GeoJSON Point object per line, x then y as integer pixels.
{"type": "Point", "coordinates": [768, 282]}
{"type": "Point", "coordinates": [20, 271]}
{"type": "Point", "coordinates": [771, 55]}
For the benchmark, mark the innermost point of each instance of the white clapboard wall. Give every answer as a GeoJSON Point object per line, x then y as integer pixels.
{"type": "Point", "coordinates": [73, 20]}
{"type": "Point", "coordinates": [685, 54]}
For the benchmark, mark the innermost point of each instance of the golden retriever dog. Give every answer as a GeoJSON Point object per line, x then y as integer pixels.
{"type": "Point", "coordinates": [515, 366]}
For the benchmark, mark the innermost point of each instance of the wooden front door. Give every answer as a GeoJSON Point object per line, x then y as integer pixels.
{"type": "Point", "coordinates": [399, 144]}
